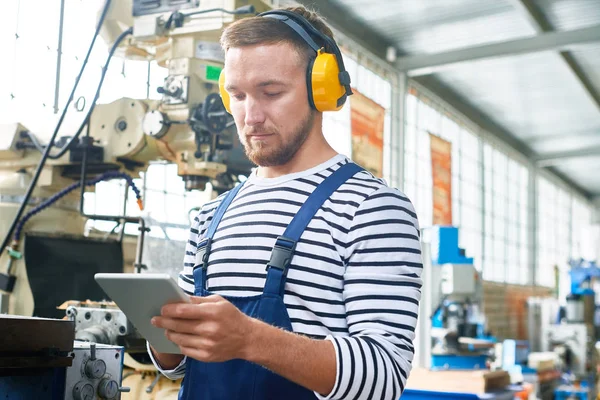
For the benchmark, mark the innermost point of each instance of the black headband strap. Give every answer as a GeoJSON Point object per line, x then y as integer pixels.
{"type": "Point", "coordinates": [296, 27]}
{"type": "Point", "coordinates": [304, 28]}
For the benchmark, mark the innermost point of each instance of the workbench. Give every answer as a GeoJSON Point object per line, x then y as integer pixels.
{"type": "Point", "coordinates": [424, 384]}
{"type": "Point", "coordinates": [413, 394]}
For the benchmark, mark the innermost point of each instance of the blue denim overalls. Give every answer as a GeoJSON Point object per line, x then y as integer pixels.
{"type": "Point", "coordinates": [240, 379]}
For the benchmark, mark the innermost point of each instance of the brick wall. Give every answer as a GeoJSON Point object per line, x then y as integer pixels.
{"type": "Point", "coordinates": [504, 308]}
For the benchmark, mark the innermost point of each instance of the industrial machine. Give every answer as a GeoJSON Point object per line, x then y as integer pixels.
{"type": "Point", "coordinates": [46, 362]}
{"type": "Point", "coordinates": [569, 333]}
{"type": "Point", "coordinates": [458, 331]}
{"type": "Point", "coordinates": [103, 322]}
{"type": "Point", "coordinates": [42, 183]}
{"type": "Point", "coordinates": [96, 372]}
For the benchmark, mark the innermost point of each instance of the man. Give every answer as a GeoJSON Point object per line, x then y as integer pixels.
{"type": "Point", "coordinates": [345, 327]}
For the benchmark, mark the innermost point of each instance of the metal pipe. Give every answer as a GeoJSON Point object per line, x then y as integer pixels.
{"type": "Point", "coordinates": [140, 246]}
{"type": "Point", "coordinates": [59, 55]}
{"type": "Point", "coordinates": [122, 233]}
{"type": "Point", "coordinates": [82, 177]}
{"type": "Point", "coordinates": [426, 64]}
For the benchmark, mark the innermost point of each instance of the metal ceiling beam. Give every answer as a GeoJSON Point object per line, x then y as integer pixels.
{"type": "Point", "coordinates": [540, 23]}
{"type": "Point", "coordinates": [351, 26]}
{"type": "Point", "coordinates": [475, 115]}
{"type": "Point", "coordinates": [551, 137]}
{"type": "Point", "coordinates": [547, 160]}
{"type": "Point", "coordinates": [429, 63]}
{"type": "Point", "coordinates": [533, 15]}
{"type": "Point", "coordinates": [596, 212]}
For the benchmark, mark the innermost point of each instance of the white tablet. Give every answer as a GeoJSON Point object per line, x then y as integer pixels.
{"type": "Point", "coordinates": [140, 297]}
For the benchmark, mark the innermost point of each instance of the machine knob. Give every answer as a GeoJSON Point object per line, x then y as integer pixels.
{"type": "Point", "coordinates": [95, 369]}
{"type": "Point", "coordinates": [108, 389]}
{"type": "Point", "coordinates": [175, 92]}
{"type": "Point", "coordinates": [155, 124]}
{"type": "Point", "coordinates": [83, 391]}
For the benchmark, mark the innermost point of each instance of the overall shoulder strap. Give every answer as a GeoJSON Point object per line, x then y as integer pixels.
{"type": "Point", "coordinates": [203, 250]}
{"type": "Point", "coordinates": [283, 251]}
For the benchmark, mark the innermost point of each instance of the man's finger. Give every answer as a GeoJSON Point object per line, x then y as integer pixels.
{"type": "Point", "coordinates": [186, 340]}
{"type": "Point", "coordinates": [200, 355]}
{"type": "Point", "coordinates": [176, 325]}
{"type": "Point", "coordinates": [207, 299]}
{"type": "Point", "coordinates": [187, 311]}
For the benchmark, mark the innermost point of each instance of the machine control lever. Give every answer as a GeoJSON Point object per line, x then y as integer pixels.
{"type": "Point", "coordinates": [175, 93]}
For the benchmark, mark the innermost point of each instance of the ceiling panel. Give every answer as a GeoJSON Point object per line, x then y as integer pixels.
{"type": "Point", "coordinates": [588, 58]}
{"type": "Point", "coordinates": [567, 141]}
{"type": "Point", "coordinates": [529, 95]}
{"type": "Point", "coordinates": [583, 171]}
{"type": "Point", "coordinates": [570, 14]}
{"type": "Point", "coordinates": [421, 27]}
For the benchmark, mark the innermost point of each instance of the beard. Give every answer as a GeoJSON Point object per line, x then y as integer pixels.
{"type": "Point", "coordinates": [281, 148]}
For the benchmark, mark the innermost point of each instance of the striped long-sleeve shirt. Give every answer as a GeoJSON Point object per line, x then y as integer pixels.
{"type": "Point", "coordinates": [355, 278]}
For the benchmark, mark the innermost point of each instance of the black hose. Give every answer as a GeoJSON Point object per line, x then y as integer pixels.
{"type": "Point", "coordinates": [57, 196]}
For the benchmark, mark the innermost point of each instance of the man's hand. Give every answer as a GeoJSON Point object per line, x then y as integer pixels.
{"type": "Point", "coordinates": [210, 329]}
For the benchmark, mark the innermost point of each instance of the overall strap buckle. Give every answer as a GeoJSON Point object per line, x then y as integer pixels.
{"type": "Point", "coordinates": [202, 253]}
{"type": "Point", "coordinates": [282, 253]}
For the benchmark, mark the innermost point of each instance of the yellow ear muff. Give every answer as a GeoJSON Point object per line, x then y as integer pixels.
{"type": "Point", "coordinates": [327, 92]}
{"type": "Point", "coordinates": [223, 92]}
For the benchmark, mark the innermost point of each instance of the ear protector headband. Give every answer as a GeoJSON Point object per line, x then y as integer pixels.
{"type": "Point", "coordinates": [327, 80]}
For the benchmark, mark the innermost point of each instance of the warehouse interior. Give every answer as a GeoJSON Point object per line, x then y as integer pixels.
{"type": "Point", "coordinates": [484, 113]}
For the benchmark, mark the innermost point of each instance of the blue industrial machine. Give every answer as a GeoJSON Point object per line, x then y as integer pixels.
{"type": "Point", "coordinates": [578, 351]}
{"type": "Point", "coordinates": [569, 334]}
{"type": "Point", "coordinates": [581, 301]}
{"type": "Point", "coordinates": [459, 337]}
{"type": "Point", "coordinates": [582, 273]}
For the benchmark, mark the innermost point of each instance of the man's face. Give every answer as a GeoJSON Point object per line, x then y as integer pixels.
{"type": "Point", "coordinates": [269, 101]}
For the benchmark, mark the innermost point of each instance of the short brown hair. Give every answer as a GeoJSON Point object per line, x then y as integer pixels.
{"type": "Point", "coordinates": [258, 30]}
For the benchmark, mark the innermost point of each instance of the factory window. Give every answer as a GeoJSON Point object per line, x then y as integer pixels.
{"type": "Point", "coordinates": [26, 90]}
{"type": "Point", "coordinates": [582, 231]}
{"type": "Point", "coordinates": [565, 231]}
{"type": "Point", "coordinates": [489, 193]}
{"type": "Point", "coordinates": [424, 117]}
{"type": "Point", "coordinates": [468, 199]}
{"type": "Point", "coordinates": [506, 226]}
{"type": "Point", "coordinates": [554, 231]}
{"type": "Point", "coordinates": [27, 93]}
{"type": "Point", "coordinates": [167, 205]}
{"type": "Point", "coordinates": [417, 165]}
